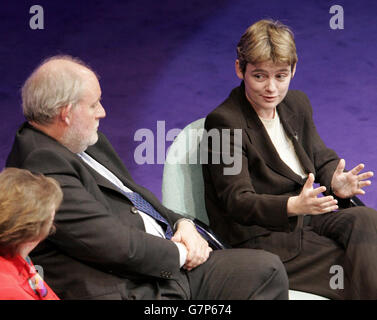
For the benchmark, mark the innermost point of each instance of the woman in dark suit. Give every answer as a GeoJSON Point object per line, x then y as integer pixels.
{"type": "Point", "coordinates": [271, 202]}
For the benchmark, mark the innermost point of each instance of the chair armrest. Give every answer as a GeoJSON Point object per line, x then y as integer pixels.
{"type": "Point", "coordinates": [355, 201]}
{"type": "Point", "coordinates": [213, 240]}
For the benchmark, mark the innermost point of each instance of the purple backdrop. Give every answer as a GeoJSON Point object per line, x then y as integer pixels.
{"type": "Point", "coordinates": [174, 61]}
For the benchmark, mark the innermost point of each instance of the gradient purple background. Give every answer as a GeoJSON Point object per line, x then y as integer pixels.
{"type": "Point", "coordinates": [174, 61]}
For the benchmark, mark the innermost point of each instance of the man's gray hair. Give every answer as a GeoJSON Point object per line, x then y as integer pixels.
{"type": "Point", "coordinates": [48, 89]}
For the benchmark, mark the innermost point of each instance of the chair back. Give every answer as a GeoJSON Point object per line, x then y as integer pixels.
{"type": "Point", "coordinates": [182, 182]}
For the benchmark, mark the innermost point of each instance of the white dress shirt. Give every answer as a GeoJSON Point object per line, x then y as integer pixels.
{"type": "Point", "coordinates": [283, 144]}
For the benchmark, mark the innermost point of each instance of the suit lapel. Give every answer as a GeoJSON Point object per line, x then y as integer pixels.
{"type": "Point", "coordinates": [102, 181]}
{"type": "Point", "coordinates": [291, 124]}
{"type": "Point", "coordinates": [129, 183]}
{"type": "Point", "coordinates": [263, 144]}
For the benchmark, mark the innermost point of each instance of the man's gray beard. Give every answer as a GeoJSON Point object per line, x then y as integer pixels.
{"type": "Point", "coordinates": [73, 143]}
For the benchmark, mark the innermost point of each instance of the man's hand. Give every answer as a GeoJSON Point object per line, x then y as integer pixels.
{"type": "Point", "coordinates": [308, 202]}
{"type": "Point", "coordinates": [349, 184]}
{"type": "Point", "coordinates": [197, 248]}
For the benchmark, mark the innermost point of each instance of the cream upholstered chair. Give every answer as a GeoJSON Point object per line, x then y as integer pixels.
{"type": "Point", "coordinates": [183, 186]}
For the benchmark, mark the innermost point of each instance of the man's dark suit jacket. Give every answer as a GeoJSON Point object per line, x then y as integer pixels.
{"type": "Point", "coordinates": [250, 209]}
{"type": "Point", "coordinates": [100, 249]}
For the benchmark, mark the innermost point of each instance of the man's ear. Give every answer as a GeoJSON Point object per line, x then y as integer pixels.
{"type": "Point", "coordinates": [293, 70]}
{"type": "Point", "coordinates": [239, 72]}
{"type": "Point", "coordinates": [65, 114]}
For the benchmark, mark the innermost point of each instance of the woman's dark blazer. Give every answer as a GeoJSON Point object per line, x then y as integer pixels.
{"type": "Point", "coordinates": [250, 208]}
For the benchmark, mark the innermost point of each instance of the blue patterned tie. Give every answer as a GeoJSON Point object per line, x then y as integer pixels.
{"type": "Point", "coordinates": [144, 206]}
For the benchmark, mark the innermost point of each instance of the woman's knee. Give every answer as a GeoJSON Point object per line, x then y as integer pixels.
{"type": "Point", "coordinates": [361, 216]}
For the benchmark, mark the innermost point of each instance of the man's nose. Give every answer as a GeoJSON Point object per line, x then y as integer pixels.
{"type": "Point", "coordinates": [101, 111]}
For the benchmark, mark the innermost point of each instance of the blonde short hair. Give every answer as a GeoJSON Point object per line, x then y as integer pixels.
{"type": "Point", "coordinates": [267, 40]}
{"type": "Point", "coordinates": [26, 203]}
